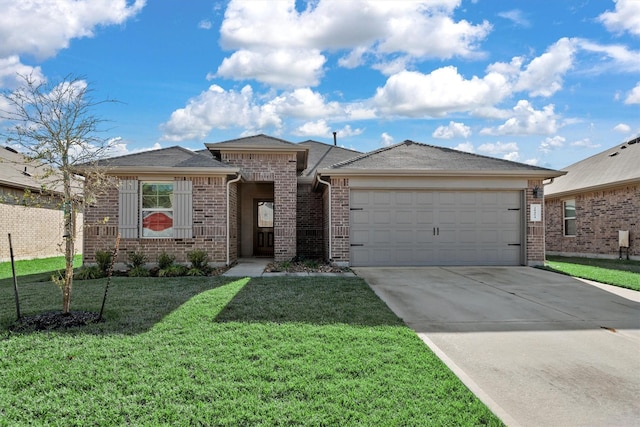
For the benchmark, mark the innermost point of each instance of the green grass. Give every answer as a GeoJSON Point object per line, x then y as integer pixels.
{"type": "Point", "coordinates": [622, 273]}
{"type": "Point", "coordinates": [211, 351]}
{"type": "Point", "coordinates": [41, 267]}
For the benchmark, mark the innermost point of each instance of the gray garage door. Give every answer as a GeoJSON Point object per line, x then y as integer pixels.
{"type": "Point", "coordinates": [419, 228]}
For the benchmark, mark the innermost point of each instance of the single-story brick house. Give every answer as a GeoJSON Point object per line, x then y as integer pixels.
{"type": "Point", "coordinates": [407, 204]}
{"type": "Point", "coordinates": [32, 215]}
{"type": "Point", "coordinates": [597, 198]}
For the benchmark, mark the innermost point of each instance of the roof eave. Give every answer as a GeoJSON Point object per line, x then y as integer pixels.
{"type": "Point", "coordinates": [302, 153]}
{"type": "Point", "coordinates": [154, 170]}
{"type": "Point", "coordinates": [542, 174]}
{"type": "Point", "coordinates": [600, 187]}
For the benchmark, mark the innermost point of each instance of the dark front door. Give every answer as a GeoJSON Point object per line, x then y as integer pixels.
{"type": "Point", "coordinates": [263, 228]}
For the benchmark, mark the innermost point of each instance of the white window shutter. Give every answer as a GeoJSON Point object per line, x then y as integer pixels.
{"type": "Point", "coordinates": [128, 209]}
{"type": "Point", "coordinates": [182, 210]}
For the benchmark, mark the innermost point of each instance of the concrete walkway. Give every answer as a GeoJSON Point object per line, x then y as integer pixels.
{"type": "Point", "coordinates": [248, 267]}
{"type": "Point", "coordinates": [539, 348]}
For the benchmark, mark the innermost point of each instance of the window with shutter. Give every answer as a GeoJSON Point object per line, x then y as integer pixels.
{"type": "Point", "coordinates": [128, 209]}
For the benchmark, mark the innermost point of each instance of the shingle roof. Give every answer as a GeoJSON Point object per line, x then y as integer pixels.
{"type": "Point", "coordinates": [323, 155]}
{"type": "Point", "coordinates": [256, 140]}
{"type": "Point", "coordinates": [410, 155]}
{"type": "Point", "coordinates": [17, 172]}
{"type": "Point", "coordinates": [616, 165]}
{"type": "Point", "coordinates": [171, 157]}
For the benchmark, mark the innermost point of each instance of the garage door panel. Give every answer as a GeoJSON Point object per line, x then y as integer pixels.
{"type": "Point", "coordinates": [415, 227]}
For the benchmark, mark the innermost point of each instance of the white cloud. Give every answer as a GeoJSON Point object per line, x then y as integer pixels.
{"type": "Point", "coordinates": [304, 103]}
{"type": "Point", "coordinates": [532, 162]}
{"type": "Point", "coordinates": [413, 94]}
{"type": "Point", "coordinates": [11, 67]}
{"type": "Point", "coordinates": [321, 128]}
{"type": "Point", "coordinates": [626, 17]}
{"type": "Point", "coordinates": [512, 156]}
{"type": "Point", "coordinates": [516, 16]}
{"type": "Point", "coordinates": [498, 148]}
{"type": "Point", "coordinates": [634, 95]}
{"type": "Point", "coordinates": [584, 143]}
{"type": "Point", "coordinates": [551, 143]}
{"type": "Point", "coordinates": [205, 24]}
{"type": "Point", "coordinates": [527, 121]}
{"type": "Point", "coordinates": [621, 58]}
{"type": "Point", "coordinates": [543, 75]}
{"type": "Point", "coordinates": [263, 33]}
{"type": "Point", "coordinates": [465, 146]}
{"type": "Point", "coordinates": [452, 130]}
{"type": "Point", "coordinates": [622, 128]}
{"type": "Point", "coordinates": [317, 128]}
{"type": "Point", "coordinates": [42, 28]}
{"type": "Point", "coordinates": [386, 139]}
{"type": "Point", "coordinates": [119, 147]}
{"type": "Point", "coordinates": [217, 108]}
{"type": "Point", "coordinates": [277, 67]}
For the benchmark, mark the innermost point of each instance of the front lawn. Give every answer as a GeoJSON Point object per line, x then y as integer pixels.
{"type": "Point", "coordinates": [41, 266]}
{"type": "Point", "coordinates": [623, 273]}
{"type": "Point", "coordinates": [212, 351]}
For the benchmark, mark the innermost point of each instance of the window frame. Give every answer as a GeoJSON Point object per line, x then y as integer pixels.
{"type": "Point", "coordinates": [566, 218]}
{"type": "Point", "coordinates": [144, 210]}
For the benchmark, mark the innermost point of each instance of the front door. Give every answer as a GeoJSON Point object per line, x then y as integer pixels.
{"type": "Point", "coordinates": [263, 228]}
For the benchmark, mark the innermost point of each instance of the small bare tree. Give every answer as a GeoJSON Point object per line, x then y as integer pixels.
{"type": "Point", "coordinates": [55, 125]}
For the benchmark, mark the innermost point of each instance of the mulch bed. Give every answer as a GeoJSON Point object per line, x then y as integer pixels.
{"type": "Point", "coordinates": [303, 267]}
{"type": "Point", "coordinates": [53, 320]}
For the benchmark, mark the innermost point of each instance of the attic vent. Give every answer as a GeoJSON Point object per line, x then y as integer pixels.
{"type": "Point", "coordinates": [11, 149]}
{"type": "Point", "coordinates": [613, 154]}
{"type": "Point", "coordinates": [633, 142]}
{"type": "Point", "coordinates": [623, 147]}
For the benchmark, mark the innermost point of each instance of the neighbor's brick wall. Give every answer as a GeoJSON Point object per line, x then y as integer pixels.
{"type": "Point", "coordinates": [535, 230]}
{"type": "Point", "coordinates": [35, 232]}
{"type": "Point", "coordinates": [340, 220]}
{"type": "Point", "coordinates": [309, 223]}
{"type": "Point", "coordinates": [279, 168]}
{"type": "Point", "coordinates": [599, 216]}
{"type": "Point", "coordinates": [209, 225]}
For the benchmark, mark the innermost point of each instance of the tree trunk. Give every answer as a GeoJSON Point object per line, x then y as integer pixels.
{"type": "Point", "coordinates": [70, 234]}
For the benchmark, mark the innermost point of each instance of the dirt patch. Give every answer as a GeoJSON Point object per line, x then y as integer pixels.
{"type": "Point", "coordinates": [53, 320]}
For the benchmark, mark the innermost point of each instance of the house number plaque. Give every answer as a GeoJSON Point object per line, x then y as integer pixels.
{"type": "Point", "coordinates": [536, 212]}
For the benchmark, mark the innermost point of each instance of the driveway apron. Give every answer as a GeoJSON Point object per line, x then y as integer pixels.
{"type": "Point", "coordinates": [539, 348]}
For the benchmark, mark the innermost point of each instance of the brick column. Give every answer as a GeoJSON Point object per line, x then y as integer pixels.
{"type": "Point", "coordinates": [535, 230]}
{"type": "Point", "coordinates": [340, 221]}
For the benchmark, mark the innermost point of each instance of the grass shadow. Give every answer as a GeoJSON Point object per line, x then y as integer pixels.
{"type": "Point", "coordinates": [310, 300]}
{"type": "Point", "coordinates": [133, 306]}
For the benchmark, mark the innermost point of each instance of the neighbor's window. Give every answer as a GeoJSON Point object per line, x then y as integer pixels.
{"type": "Point", "coordinates": [570, 217]}
{"type": "Point", "coordinates": [157, 209]}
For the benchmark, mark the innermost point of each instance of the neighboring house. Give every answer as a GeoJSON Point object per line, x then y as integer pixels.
{"type": "Point", "coordinates": [597, 198]}
{"type": "Point", "coordinates": [31, 214]}
{"type": "Point", "coordinates": [407, 204]}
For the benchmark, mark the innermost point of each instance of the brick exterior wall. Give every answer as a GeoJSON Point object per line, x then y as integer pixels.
{"type": "Point", "coordinates": [599, 217]}
{"type": "Point", "coordinates": [279, 168]}
{"type": "Point", "coordinates": [340, 213]}
{"type": "Point", "coordinates": [209, 225]}
{"type": "Point", "coordinates": [310, 233]}
{"type": "Point", "coordinates": [535, 230]}
{"type": "Point", "coordinates": [35, 232]}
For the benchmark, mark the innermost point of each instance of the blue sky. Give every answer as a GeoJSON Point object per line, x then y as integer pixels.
{"type": "Point", "coordinates": [546, 82]}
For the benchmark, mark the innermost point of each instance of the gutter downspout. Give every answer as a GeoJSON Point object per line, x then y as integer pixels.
{"type": "Point", "coordinates": [328, 184]}
{"type": "Point", "coordinates": [236, 179]}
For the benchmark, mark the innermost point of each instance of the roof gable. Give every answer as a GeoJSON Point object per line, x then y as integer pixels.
{"type": "Point", "coordinates": [410, 155]}
{"type": "Point", "coordinates": [616, 165]}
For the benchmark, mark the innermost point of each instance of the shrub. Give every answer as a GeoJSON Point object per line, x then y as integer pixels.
{"type": "Point", "coordinates": [173, 270]}
{"type": "Point", "coordinates": [165, 260]}
{"type": "Point", "coordinates": [199, 259]}
{"type": "Point", "coordinates": [136, 259]}
{"type": "Point", "coordinates": [139, 272]}
{"type": "Point", "coordinates": [196, 272]}
{"type": "Point", "coordinates": [103, 259]}
{"type": "Point", "coordinates": [88, 272]}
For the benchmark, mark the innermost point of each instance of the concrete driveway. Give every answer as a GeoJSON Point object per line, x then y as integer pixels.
{"type": "Point", "coordinates": [539, 348]}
